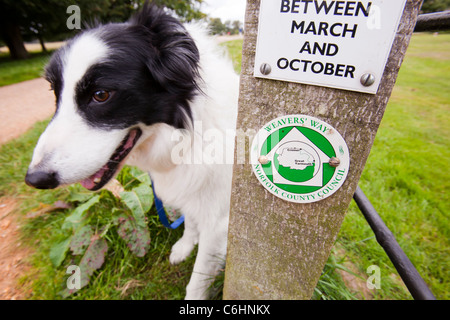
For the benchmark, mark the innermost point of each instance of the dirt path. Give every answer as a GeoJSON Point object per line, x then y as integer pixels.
{"type": "Point", "coordinates": [12, 254]}
{"type": "Point", "coordinates": [21, 106]}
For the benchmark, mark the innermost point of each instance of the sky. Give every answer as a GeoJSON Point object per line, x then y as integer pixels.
{"type": "Point", "coordinates": [225, 9]}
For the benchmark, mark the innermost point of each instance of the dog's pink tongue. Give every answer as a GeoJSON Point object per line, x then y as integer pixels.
{"type": "Point", "coordinates": [89, 182]}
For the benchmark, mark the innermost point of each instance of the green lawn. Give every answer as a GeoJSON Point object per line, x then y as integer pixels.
{"type": "Point", "coordinates": [406, 179]}
{"type": "Point", "coordinates": [235, 53]}
{"type": "Point", "coordinates": [13, 71]}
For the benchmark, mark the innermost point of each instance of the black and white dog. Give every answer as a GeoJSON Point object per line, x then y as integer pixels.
{"type": "Point", "coordinates": [128, 92]}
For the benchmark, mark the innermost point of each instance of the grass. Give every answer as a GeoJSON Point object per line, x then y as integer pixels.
{"type": "Point", "coordinates": [406, 178]}
{"type": "Point", "coordinates": [234, 48]}
{"type": "Point", "coordinates": [14, 71]}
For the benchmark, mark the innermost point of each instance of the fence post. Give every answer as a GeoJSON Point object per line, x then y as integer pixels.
{"type": "Point", "coordinates": [277, 249]}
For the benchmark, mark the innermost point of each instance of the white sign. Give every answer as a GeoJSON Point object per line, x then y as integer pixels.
{"type": "Point", "coordinates": [338, 44]}
{"type": "Point", "coordinates": [300, 158]}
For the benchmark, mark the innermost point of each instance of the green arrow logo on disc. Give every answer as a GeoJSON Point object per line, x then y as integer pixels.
{"type": "Point", "coordinates": [300, 158]}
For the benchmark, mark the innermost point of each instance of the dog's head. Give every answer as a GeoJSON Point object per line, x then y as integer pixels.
{"type": "Point", "coordinates": [110, 82]}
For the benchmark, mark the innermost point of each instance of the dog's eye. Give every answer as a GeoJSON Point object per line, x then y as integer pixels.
{"type": "Point", "coordinates": [101, 95]}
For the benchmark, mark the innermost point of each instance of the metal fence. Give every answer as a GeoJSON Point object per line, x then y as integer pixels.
{"type": "Point", "coordinates": [412, 279]}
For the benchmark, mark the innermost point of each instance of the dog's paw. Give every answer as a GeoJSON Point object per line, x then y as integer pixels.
{"type": "Point", "coordinates": [180, 251]}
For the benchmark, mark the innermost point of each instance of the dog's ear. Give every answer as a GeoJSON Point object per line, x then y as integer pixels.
{"type": "Point", "coordinates": [173, 56]}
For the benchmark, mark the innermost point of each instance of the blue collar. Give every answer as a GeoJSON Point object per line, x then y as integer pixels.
{"type": "Point", "coordinates": [162, 213]}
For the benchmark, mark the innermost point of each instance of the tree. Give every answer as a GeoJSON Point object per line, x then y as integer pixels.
{"type": "Point", "coordinates": [43, 19]}
{"type": "Point", "coordinates": [11, 19]}
{"type": "Point", "coordinates": [237, 26]}
{"type": "Point", "coordinates": [216, 26]}
{"type": "Point", "coordinates": [186, 10]}
{"type": "Point", "coordinates": [435, 5]}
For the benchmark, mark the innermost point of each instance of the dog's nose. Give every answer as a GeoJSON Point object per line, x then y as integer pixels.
{"type": "Point", "coordinates": [42, 179]}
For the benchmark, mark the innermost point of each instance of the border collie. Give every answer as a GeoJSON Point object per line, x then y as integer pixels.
{"type": "Point", "coordinates": [123, 92]}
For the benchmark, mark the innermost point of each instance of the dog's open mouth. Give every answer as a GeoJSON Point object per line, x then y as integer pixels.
{"type": "Point", "coordinates": [102, 176]}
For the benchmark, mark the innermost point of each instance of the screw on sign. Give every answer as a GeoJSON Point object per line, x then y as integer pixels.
{"type": "Point", "coordinates": [265, 69]}
{"type": "Point", "coordinates": [367, 79]}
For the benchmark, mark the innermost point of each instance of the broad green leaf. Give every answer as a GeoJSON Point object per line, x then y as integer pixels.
{"type": "Point", "coordinates": [136, 237]}
{"type": "Point", "coordinates": [77, 214]}
{"type": "Point", "coordinates": [94, 256]}
{"type": "Point", "coordinates": [139, 200]}
{"type": "Point", "coordinates": [140, 175]}
{"type": "Point", "coordinates": [93, 259]}
{"type": "Point", "coordinates": [58, 252]}
{"type": "Point", "coordinates": [81, 240]}
{"type": "Point", "coordinates": [79, 194]}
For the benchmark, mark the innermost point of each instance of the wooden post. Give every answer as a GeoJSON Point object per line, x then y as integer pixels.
{"type": "Point", "coordinates": [277, 249]}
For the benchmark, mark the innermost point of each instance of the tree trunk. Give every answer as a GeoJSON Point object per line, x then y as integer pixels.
{"type": "Point", "coordinates": [10, 33]}
{"type": "Point", "coordinates": [41, 41]}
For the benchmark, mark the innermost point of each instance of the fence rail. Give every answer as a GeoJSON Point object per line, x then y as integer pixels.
{"type": "Point", "coordinates": [412, 279]}
{"type": "Point", "coordinates": [437, 21]}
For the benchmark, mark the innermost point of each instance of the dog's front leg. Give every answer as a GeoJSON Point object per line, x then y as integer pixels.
{"type": "Point", "coordinates": [184, 246]}
{"type": "Point", "coordinates": [210, 259]}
